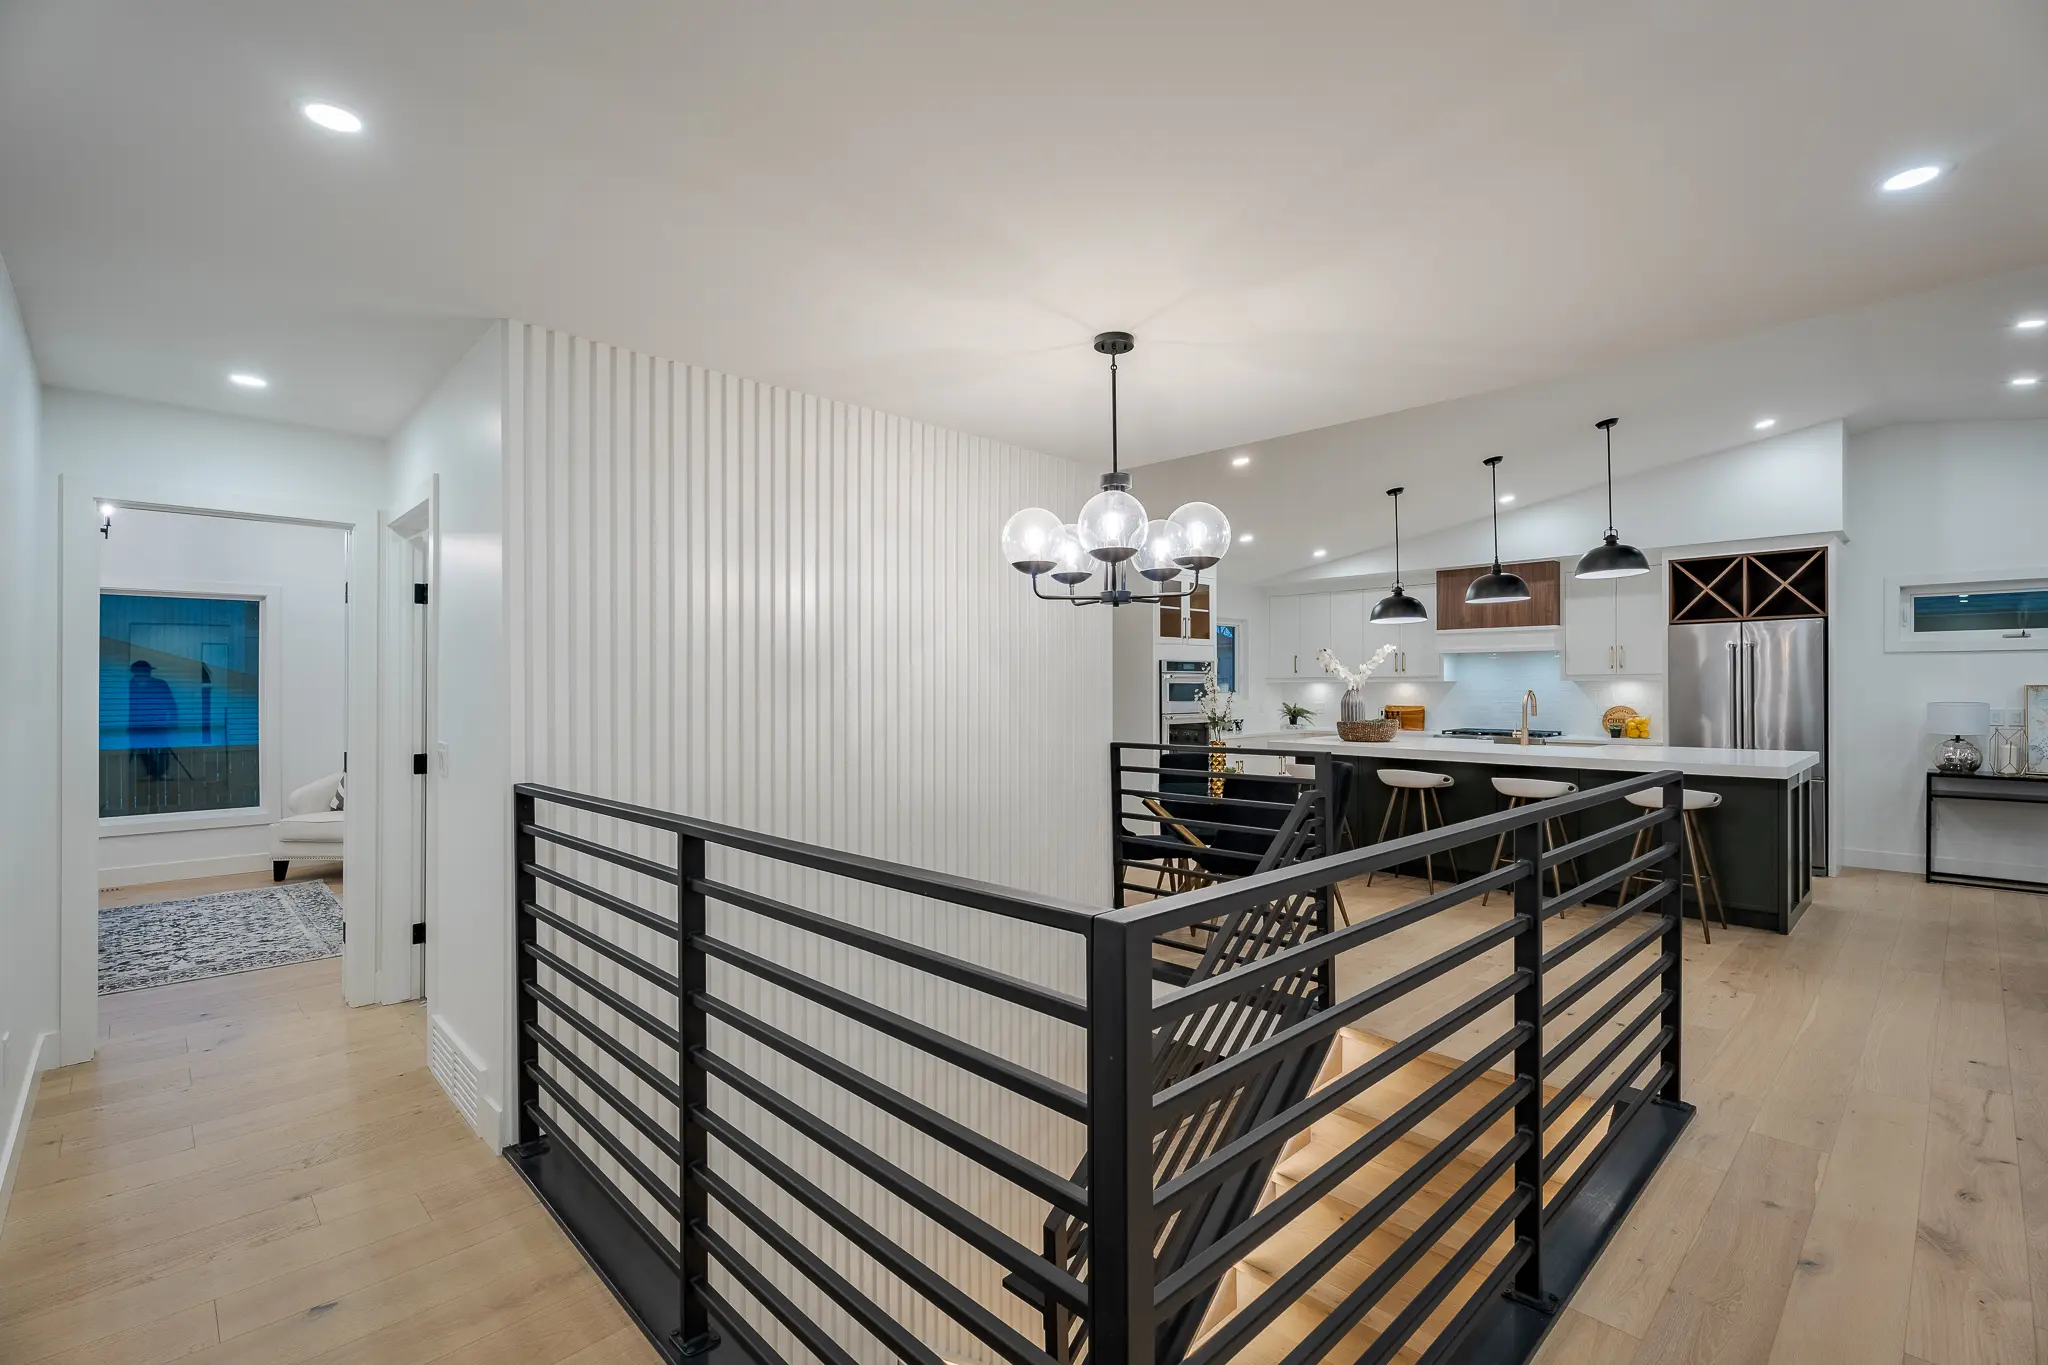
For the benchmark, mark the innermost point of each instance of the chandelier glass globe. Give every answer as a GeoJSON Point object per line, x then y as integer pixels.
{"type": "Point", "coordinates": [1072, 563]}
{"type": "Point", "coordinates": [1159, 556]}
{"type": "Point", "coordinates": [1205, 534]}
{"type": "Point", "coordinates": [1112, 525]}
{"type": "Point", "coordinates": [1028, 540]}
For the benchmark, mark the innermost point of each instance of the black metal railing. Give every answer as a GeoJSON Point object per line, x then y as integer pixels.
{"type": "Point", "coordinates": [794, 1100]}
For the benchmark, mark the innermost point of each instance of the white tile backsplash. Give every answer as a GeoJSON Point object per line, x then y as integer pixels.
{"type": "Point", "coordinates": [1486, 690]}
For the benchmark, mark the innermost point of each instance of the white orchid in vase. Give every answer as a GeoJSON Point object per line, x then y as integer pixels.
{"type": "Point", "coordinates": [1353, 706]}
{"type": "Point", "coordinates": [1219, 708]}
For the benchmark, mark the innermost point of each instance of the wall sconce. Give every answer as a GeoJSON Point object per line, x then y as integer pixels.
{"type": "Point", "coordinates": [106, 518]}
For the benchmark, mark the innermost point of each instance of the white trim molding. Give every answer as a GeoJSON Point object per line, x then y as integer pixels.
{"type": "Point", "coordinates": [20, 1109]}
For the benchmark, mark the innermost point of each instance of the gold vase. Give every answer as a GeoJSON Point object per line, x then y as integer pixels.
{"type": "Point", "coordinates": [1218, 763]}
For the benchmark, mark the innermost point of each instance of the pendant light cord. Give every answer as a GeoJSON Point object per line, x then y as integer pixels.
{"type": "Point", "coordinates": [1116, 468]}
{"type": "Point", "coordinates": [1493, 468]}
{"type": "Point", "coordinates": [1610, 479]}
{"type": "Point", "coordinates": [1395, 494]}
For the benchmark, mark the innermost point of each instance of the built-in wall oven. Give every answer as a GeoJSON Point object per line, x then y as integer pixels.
{"type": "Point", "coordinates": [1180, 693]}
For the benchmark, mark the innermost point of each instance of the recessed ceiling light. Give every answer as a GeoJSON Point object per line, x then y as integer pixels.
{"type": "Point", "coordinates": [1911, 180]}
{"type": "Point", "coordinates": [2025, 381]}
{"type": "Point", "coordinates": [1507, 498]}
{"type": "Point", "coordinates": [2030, 324]}
{"type": "Point", "coordinates": [1245, 539]}
{"type": "Point", "coordinates": [242, 379]}
{"type": "Point", "coordinates": [1319, 553]}
{"type": "Point", "coordinates": [1766, 423]}
{"type": "Point", "coordinates": [1241, 461]}
{"type": "Point", "coordinates": [333, 117]}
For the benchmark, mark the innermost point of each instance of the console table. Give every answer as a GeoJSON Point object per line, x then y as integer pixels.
{"type": "Point", "coordinates": [1981, 787]}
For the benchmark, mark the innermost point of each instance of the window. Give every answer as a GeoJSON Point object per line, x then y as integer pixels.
{"type": "Point", "coordinates": [1968, 612]}
{"type": "Point", "coordinates": [1226, 657]}
{"type": "Point", "coordinates": [2000, 611]}
{"type": "Point", "coordinates": [178, 704]}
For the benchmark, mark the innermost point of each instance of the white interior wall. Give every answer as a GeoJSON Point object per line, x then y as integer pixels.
{"type": "Point", "coordinates": [790, 614]}
{"type": "Point", "coordinates": [307, 566]}
{"type": "Point", "coordinates": [149, 454]}
{"type": "Point", "coordinates": [28, 738]}
{"type": "Point", "coordinates": [451, 451]}
{"type": "Point", "coordinates": [1956, 496]}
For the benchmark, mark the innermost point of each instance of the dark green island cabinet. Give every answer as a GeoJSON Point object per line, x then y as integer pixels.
{"type": "Point", "coordinates": [1758, 839]}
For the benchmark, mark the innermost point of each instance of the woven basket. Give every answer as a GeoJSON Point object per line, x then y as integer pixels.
{"type": "Point", "coordinates": [1366, 731]}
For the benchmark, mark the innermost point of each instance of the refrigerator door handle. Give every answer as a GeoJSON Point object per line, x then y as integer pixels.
{"type": "Point", "coordinates": [1735, 694]}
{"type": "Point", "coordinates": [1749, 696]}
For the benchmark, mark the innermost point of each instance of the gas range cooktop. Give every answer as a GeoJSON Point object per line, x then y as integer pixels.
{"type": "Point", "coordinates": [1482, 732]}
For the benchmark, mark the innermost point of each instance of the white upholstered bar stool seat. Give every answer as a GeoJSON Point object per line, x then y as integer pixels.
{"type": "Point", "coordinates": [1520, 791]}
{"type": "Point", "coordinates": [1414, 777]}
{"type": "Point", "coordinates": [1423, 786]}
{"type": "Point", "coordinates": [1533, 788]}
{"type": "Point", "coordinates": [1703, 878]}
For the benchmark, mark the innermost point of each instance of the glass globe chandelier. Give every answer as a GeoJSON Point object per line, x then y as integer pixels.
{"type": "Point", "coordinates": [1113, 536]}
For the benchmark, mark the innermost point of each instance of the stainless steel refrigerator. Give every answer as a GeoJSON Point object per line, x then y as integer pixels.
{"type": "Point", "coordinates": [1755, 685]}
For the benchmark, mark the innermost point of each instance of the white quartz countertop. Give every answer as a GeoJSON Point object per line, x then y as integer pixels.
{"type": "Point", "coordinates": [1628, 756]}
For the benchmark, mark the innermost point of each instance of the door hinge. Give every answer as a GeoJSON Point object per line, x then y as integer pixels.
{"type": "Point", "coordinates": [419, 593]}
{"type": "Point", "coordinates": [419, 932]}
{"type": "Point", "coordinates": [419, 765]}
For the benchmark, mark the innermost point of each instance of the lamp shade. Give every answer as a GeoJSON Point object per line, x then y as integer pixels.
{"type": "Point", "coordinates": [1958, 718]}
{"type": "Point", "coordinates": [1398, 606]}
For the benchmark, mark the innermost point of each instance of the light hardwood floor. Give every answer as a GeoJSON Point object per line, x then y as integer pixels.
{"type": "Point", "coordinates": [250, 1172]}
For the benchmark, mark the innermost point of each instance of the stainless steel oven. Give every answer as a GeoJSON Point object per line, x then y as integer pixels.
{"type": "Point", "coordinates": [1180, 686]}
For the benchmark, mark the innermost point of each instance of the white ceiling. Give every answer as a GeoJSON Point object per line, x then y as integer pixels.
{"type": "Point", "coordinates": [1941, 355]}
{"type": "Point", "coordinates": [1309, 213]}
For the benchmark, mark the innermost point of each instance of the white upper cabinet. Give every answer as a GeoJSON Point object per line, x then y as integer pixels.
{"type": "Point", "coordinates": [1283, 634]}
{"type": "Point", "coordinates": [1347, 629]}
{"type": "Point", "coordinates": [1614, 626]}
{"type": "Point", "coordinates": [1314, 633]}
{"type": "Point", "coordinates": [1640, 624]}
{"type": "Point", "coordinates": [1417, 655]}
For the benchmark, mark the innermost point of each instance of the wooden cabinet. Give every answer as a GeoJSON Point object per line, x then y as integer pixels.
{"type": "Point", "coordinates": [1614, 627]}
{"type": "Point", "coordinates": [1187, 618]}
{"type": "Point", "coordinates": [1542, 608]}
{"type": "Point", "coordinates": [1772, 585]}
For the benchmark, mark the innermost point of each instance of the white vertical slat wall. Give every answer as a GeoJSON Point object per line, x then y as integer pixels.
{"type": "Point", "coordinates": [789, 614]}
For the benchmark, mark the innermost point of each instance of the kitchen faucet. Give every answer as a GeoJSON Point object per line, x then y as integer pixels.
{"type": "Point", "coordinates": [1528, 710]}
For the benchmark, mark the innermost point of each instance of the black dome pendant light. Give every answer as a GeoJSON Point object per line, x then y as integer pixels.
{"type": "Point", "coordinates": [1497, 587]}
{"type": "Point", "coordinates": [1397, 606]}
{"type": "Point", "coordinates": [1610, 558]}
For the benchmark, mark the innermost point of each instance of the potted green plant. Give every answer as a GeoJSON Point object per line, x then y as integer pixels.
{"type": "Point", "coordinates": [1295, 713]}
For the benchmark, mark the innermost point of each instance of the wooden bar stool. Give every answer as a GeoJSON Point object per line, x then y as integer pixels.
{"type": "Point", "coordinates": [1520, 791]}
{"type": "Point", "coordinates": [1423, 785]}
{"type": "Point", "coordinates": [1695, 851]}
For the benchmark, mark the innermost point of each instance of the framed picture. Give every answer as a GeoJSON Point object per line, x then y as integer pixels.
{"type": "Point", "coordinates": [2037, 729]}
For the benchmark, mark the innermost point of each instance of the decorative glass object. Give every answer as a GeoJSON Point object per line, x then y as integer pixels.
{"type": "Point", "coordinates": [1159, 556]}
{"type": "Point", "coordinates": [1071, 561]}
{"type": "Point", "coordinates": [1958, 755]}
{"type": "Point", "coordinates": [2008, 750]}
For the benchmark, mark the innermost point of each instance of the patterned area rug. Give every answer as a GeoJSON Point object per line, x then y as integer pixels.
{"type": "Point", "coordinates": [218, 934]}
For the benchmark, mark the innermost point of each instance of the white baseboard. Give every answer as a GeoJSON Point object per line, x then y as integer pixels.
{"type": "Point", "coordinates": [1885, 860]}
{"type": "Point", "coordinates": [185, 869]}
{"type": "Point", "coordinates": [19, 1108]}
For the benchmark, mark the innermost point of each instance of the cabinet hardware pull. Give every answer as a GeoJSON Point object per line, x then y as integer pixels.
{"type": "Point", "coordinates": [1610, 658]}
{"type": "Point", "coordinates": [1624, 658]}
{"type": "Point", "coordinates": [2017, 635]}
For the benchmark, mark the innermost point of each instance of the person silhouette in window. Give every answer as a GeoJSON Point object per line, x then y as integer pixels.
{"type": "Point", "coordinates": [152, 716]}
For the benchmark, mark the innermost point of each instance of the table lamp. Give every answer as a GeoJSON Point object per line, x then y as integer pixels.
{"type": "Point", "coordinates": [1958, 719]}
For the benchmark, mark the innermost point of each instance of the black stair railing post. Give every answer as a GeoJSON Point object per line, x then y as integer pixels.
{"type": "Point", "coordinates": [1327, 842]}
{"type": "Point", "coordinates": [1116, 822]}
{"type": "Point", "coordinates": [1528, 846]}
{"type": "Point", "coordinates": [695, 1337]}
{"type": "Point", "coordinates": [1671, 840]}
{"type": "Point", "coordinates": [1121, 1323]}
{"type": "Point", "coordinates": [526, 967]}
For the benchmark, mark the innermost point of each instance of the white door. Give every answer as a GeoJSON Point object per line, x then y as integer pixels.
{"type": "Point", "coordinates": [1639, 625]}
{"type": "Point", "coordinates": [1589, 647]}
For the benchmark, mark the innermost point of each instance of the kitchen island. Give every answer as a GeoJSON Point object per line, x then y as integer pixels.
{"type": "Point", "coordinates": [1758, 838]}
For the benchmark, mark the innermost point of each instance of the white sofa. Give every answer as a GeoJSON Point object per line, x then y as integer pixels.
{"type": "Point", "coordinates": [309, 828]}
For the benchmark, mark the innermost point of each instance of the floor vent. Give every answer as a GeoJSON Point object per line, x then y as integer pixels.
{"type": "Point", "coordinates": [458, 1070]}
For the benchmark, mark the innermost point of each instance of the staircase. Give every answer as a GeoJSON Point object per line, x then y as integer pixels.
{"type": "Point", "coordinates": [1326, 1139]}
